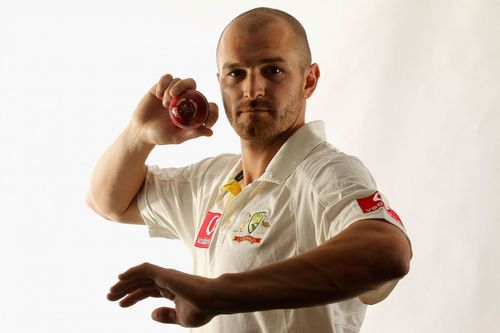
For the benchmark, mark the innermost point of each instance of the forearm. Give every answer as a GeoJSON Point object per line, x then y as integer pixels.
{"type": "Point", "coordinates": [342, 268]}
{"type": "Point", "coordinates": [119, 174]}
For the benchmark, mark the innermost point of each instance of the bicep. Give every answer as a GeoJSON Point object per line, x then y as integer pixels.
{"type": "Point", "coordinates": [404, 249]}
{"type": "Point", "coordinates": [131, 215]}
{"type": "Point", "coordinates": [378, 233]}
{"type": "Point", "coordinates": [387, 246]}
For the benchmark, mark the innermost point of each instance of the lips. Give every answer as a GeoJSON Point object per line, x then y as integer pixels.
{"type": "Point", "coordinates": [253, 113]}
{"type": "Point", "coordinates": [257, 105]}
{"type": "Point", "coordinates": [253, 110]}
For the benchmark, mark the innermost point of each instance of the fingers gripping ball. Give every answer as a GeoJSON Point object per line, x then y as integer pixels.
{"type": "Point", "coordinates": [189, 110]}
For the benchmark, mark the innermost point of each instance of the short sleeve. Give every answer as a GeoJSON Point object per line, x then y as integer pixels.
{"type": "Point", "coordinates": [162, 212]}
{"type": "Point", "coordinates": [363, 204]}
{"type": "Point", "coordinates": [357, 198]}
{"type": "Point", "coordinates": [350, 195]}
{"type": "Point", "coordinates": [173, 201]}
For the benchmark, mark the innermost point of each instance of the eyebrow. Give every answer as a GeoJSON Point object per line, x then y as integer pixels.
{"type": "Point", "coordinates": [262, 61]}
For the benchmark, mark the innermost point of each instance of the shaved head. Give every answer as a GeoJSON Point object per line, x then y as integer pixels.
{"type": "Point", "coordinates": [258, 19]}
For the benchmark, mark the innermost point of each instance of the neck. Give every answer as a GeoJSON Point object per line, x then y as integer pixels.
{"type": "Point", "coordinates": [256, 155]}
{"type": "Point", "coordinates": [255, 160]}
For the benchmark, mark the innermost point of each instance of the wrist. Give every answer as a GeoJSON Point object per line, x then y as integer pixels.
{"type": "Point", "coordinates": [228, 296]}
{"type": "Point", "coordinates": [136, 139]}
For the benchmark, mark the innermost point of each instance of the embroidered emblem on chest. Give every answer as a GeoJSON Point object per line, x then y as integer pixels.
{"type": "Point", "coordinates": [252, 228]}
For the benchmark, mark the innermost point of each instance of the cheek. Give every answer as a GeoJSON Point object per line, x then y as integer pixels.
{"type": "Point", "coordinates": [284, 95]}
{"type": "Point", "coordinates": [227, 103]}
{"type": "Point", "coordinates": [229, 94]}
{"type": "Point", "coordinates": [225, 99]}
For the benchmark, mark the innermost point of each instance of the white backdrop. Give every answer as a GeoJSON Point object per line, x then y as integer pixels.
{"type": "Point", "coordinates": [410, 87]}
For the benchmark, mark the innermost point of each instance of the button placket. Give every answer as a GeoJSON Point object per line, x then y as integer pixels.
{"type": "Point", "coordinates": [230, 212]}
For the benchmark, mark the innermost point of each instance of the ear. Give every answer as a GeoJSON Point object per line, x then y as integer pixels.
{"type": "Point", "coordinates": [218, 77]}
{"type": "Point", "coordinates": [311, 80]}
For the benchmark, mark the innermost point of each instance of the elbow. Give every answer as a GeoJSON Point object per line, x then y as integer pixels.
{"type": "Point", "coordinates": [403, 247]}
{"type": "Point", "coordinates": [113, 214]}
{"type": "Point", "coordinates": [92, 204]}
{"type": "Point", "coordinates": [400, 267]}
{"type": "Point", "coordinates": [395, 266]}
{"type": "Point", "coordinates": [397, 258]}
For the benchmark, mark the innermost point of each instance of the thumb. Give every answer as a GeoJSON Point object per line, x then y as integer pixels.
{"type": "Point", "coordinates": [165, 315]}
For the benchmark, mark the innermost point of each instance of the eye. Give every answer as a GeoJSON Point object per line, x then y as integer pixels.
{"type": "Point", "coordinates": [272, 70]}
{"type": "Point", "coordinates": [236, 73]}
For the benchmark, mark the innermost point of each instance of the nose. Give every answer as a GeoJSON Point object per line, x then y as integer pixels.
{"type": "Point", "coordinates": [254, 86]}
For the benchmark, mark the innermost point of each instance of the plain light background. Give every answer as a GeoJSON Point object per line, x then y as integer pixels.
{"type": "Point", "coordinates": [410, 87]}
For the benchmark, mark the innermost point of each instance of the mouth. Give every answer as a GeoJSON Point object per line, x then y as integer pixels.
{"type": "Point", "coordinates": [253, 110]}
{"type": "Point", "coordinates": [258, 106]}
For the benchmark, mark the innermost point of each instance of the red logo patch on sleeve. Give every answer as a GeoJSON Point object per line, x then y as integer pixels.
{"type": "Point", "coordinates": [394, 215]}
{"type": "Point", "coordinates": [374, 202]}
{"type": "Point", "coordinates": [207, 229]}
{"type": "Point", "coordinates": [371, 203]}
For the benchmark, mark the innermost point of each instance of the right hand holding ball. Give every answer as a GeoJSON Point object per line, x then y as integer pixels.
{"type": "Point", "coordinates": [189, 110]}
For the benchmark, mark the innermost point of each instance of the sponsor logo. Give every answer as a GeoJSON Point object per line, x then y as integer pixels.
{"type": "Point", "coordinates": [374, 202]}
{"type": "Point", "coordinates": [394, 215]}
{"type": "Point", "coordinates": [207, 230]}
{"type": "Point", "coordinates": [371, 203]}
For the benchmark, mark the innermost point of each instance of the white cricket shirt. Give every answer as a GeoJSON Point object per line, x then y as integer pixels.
{"type": "Point", "coordinates": [309, 193]}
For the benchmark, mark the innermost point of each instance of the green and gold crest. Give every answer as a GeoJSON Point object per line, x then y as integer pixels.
{"type": "Point", "coordinates": [255, 221]}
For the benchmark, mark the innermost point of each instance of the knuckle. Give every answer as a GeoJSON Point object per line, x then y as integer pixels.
{"type": "Point", "coordinates": [166, 77]}
{"type": "Point", "coordinates": [176, 86]}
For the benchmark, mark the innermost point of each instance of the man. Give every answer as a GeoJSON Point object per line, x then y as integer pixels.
{"type": "Point", "coordinates": [291, 236]}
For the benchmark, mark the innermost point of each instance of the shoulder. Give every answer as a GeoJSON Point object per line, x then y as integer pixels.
{"type": "Point", "coordinates": [329, 171]}
{"type": "Point", "coordinates": [326, 160]}
{"type": "Point", "coordinates": [217, 165]}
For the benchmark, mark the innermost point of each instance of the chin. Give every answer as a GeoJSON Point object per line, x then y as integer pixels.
{"type": "Point", "coordinates": [256, 133]}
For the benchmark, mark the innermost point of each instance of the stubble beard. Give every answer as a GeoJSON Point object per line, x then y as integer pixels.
{"type": "Point", "coordinates": [262, 127]}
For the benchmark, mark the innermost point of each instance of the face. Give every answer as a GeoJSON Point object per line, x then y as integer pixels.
{"type": "Point", "coordinates": [262, 82]}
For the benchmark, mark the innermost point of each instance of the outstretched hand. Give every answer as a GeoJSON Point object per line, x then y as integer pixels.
{"type": "Point", "coordinates": [190, 294]}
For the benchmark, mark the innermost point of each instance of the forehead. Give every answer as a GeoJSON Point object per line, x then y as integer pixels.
{"type": "Point", "coordinates": [248, 46]}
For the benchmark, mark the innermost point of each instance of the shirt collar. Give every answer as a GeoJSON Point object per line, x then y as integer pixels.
{"type": "Point", "coordinates": [294, 151]}
{"type": "Point", "coordinates": [288, 157]}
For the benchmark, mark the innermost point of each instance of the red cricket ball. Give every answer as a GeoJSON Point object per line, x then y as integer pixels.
{"type": "Point", "coordinates": [189, 110]}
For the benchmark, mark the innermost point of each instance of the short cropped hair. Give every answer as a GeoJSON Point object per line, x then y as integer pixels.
{"type": "Point", "coordinates": [257, 18]}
